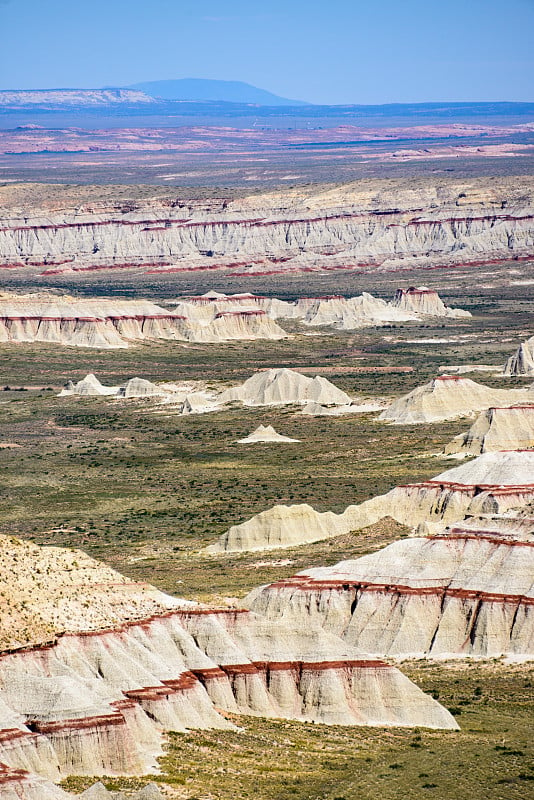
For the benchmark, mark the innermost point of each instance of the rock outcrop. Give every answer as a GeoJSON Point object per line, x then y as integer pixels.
{"type": "Point", "coordinates": [89, 386]}
{"type": "Point", "coordinates": [285, 387]}
{"type": "Point", "coordinates": [497, 429]}
{"type": "Point", "coordinates": [448, 397]}
{"type": "Point", "coordinates": [342, 313]}
{"type": "Point", "coordinates": [492, 483]}
{"type": "Point", "coordinates": [207, 306]}
{"type": "Point", "coordinates": [362, 224]}
{"type": "Point", "coordinates": [265, 434]}
{"type": "Point", "coordinates": [423, 301]}
{"type": "Point", "coordinates": [522, 362]}
{"type": "Point", "coordinates": [467, 592]}
{"type": "Point", "coordinates": [93, 668]}
{"type": "Point", "coordinates": [139, 387]}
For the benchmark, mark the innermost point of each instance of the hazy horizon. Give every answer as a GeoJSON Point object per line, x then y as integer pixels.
{"type": "Point", "coordinates": [343, 53]}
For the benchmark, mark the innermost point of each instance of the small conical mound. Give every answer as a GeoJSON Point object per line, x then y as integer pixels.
{"type": "Point", "coordinates": [265, 434]}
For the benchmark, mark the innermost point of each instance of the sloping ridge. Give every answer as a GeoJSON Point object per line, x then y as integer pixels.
{"type": "Point", "coordinates": [448, 397]}
{"type": "Point", "coordinates": [492, 483]}
{"type": "Point", "coordinates": [212, 90]}
{"type": "Point", "coordinates": [497, 429]}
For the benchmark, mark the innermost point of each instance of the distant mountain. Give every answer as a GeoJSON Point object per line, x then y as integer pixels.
{"type": "Point", "coordinates": [214, 91]}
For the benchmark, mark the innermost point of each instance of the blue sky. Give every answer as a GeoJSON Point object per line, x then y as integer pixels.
{"type": "Point", "coordinates": [324, 51]}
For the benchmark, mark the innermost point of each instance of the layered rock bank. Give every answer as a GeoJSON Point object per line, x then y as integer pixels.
{"type": "Point", "coordinates": [465, 592]}
{"type": "Point", "coordinates": [364, 224]}
{"type": "Point", "coordinates": [94, 669]}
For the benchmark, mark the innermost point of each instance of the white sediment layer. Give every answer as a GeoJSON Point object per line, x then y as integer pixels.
{"type": "Point", "coordinates": [357, 224]}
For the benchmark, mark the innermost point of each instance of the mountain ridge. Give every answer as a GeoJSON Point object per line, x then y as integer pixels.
{"type": "Point", "coordinates": [192, 89]}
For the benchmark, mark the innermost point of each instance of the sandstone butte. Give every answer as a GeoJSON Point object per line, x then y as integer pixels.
{"type": "Point", "coordinates": [364, 225]}
{"type": "Point", "coordinates": [509, 428]}
{"type": "Point", "coordinates": [448, 397]}
{"type": "Point", "coordinates": [94, 669]}
{"type": "Point", "coordinates": [495, 482]}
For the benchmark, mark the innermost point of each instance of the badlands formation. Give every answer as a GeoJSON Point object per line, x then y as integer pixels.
{"type": "Point", "coordinates": [213, 317]}
{"type": "Point", "coordinates": [273, 387]}
{"type": "Point", "coordinates": [426, 302]}
{"type": "Point", "coordinates": [366, 224]}
{"type": "Point", "coordinates": [448, 397]}
{"type": "Point", "coordinates": [492, 483]}
{"type": "Point", "coordinates": [285, 387]}
{"type": "Point", "coordinates": [105, 323]}
{"type": "Point", "coordinates": [94, 669]}
{"type": "Point", "coordinates": [497, 429]}
{"type": "Point", "coordinates": [522, 362]}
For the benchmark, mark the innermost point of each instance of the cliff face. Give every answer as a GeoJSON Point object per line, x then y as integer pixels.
{"type": "Point", "coordinates": [113, 323]}
{"type": "Point", "coordinates": [522, 362]}
{"type": "Point", "coordinates": [97, 703]}
{"type": "Point", "coordinates": [345, 227]}
{"type": "Point", "coordinates": [464, 593]}
{"type": "Point", "coordinates": [67, 98]}
{"type": "Point", "coordinates": [497, 429]}
{"type": "Point", "coordinates": [421, 300]}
